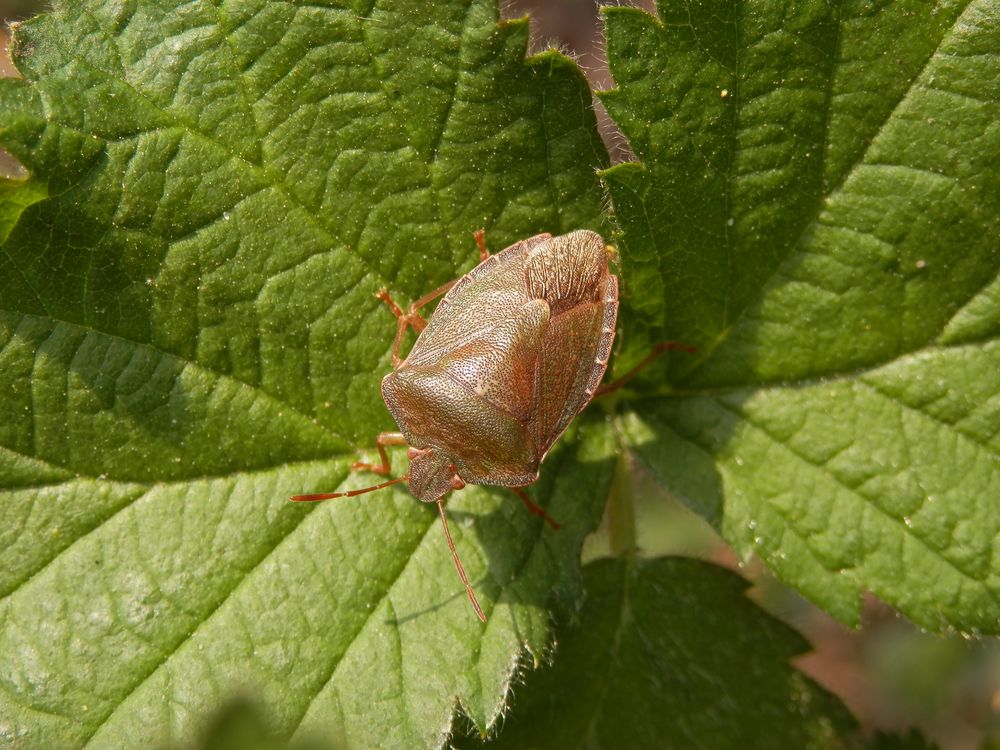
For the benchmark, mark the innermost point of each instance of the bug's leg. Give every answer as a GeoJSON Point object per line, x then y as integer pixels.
{"type": "Point", "coordinates": [417, 320]}
{"type": "Point", "coordinates": [402, 322]}
{"type": "Point", "coordinates": [480, 235]}
{"type": "Point", "coordinates": [414, 318]}
{"type": "Point", "coordinates": [458, 563]}
{"type": "Point", "coordinates": [386, 438]}
{"type": "Point", "coordinates": [350, 493]}
{"type": "Point", "coordinates": [665, 346]}
{"type": "Point", "coordinates": [534, 509]}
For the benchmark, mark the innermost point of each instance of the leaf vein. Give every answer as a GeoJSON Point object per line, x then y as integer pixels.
{"type": "Point", "coordinates": [867, 502]}
{"type": "Point", "coordinates": [55, 558]}
{"type": "Point", "coordinates": [222, 376]}
{"type": "Point", "coordinates": [795, 247]}
{"type": "Point", "coordinates": [364, 624]}
{"type": "Point", "coordinates": [171, 651]}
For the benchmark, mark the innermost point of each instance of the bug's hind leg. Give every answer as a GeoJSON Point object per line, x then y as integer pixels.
{"type": "Point", "coordinates": [480, 235]}
{"type": "Point", "coordinates": [402, 323]}
{"type": "Point", "coordinates": [415, 318]}
{"type": "Point", "coordinates": [384, 439]}
{"type": "Point", "coordinates": [412, 317]}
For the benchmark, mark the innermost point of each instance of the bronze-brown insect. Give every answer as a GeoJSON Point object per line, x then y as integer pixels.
{"type": "Point", "coordinates": [515, 350]}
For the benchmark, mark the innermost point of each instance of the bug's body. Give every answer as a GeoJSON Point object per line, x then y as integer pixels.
{"type": "Point", "coordinates": [512, 354]}
{"type": "Point", "coordinates": [515, 350]}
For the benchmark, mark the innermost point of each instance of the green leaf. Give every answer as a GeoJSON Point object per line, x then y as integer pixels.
{"type": "Point", "coordinates": [240, 725]}
{"type": "Point", "coordinates": [817, 209]}
{"type": "Point", "coordinates": [670, 653]}
{"type": "Point", "coordinates": [15, 196]}
{"type": "Point", "coordinates": [189, 334]}
{"type": "Point", "coordinates": [911, 740]}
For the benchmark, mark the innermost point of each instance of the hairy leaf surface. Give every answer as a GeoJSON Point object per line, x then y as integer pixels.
{"type": "Point", "coordinates": [816, 207]}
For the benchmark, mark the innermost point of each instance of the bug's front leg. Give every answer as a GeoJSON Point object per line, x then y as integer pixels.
{"type": "Point", "coordinates": [534, 509]}
{"type": "Point", "coordinates": [384, 439]}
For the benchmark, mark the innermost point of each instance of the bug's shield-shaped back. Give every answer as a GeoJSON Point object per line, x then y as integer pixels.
{"type": "Point", "coordinates": [489, 294]}
{"type": "Point", "coordinates": [500, 366]}
{"type": "Point", "coordinates": [471, 407]}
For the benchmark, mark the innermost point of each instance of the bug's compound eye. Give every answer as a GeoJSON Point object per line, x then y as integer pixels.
{"type": "Point", "coordinates": [457, 483]}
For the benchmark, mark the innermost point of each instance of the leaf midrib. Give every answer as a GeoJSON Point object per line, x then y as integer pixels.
{"type": "Point", "coordinates": [267, 177]}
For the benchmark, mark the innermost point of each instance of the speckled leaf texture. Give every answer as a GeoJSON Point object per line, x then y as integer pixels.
{"type": "Point", "coordinates": [653, 667]}
{"type": "Point", "coordinates": [816, 207]}
{"type": "Point", "coordinates": [189, 335]}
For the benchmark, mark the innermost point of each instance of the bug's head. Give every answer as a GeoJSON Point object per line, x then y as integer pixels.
{"type": "Point", "coordinates": [432, 474]}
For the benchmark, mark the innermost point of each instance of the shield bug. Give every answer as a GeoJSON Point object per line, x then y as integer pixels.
{"type": "Point", "coordinates": [514, 351]}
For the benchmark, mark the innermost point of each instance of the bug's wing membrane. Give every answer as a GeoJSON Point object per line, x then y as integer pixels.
{"type": "Point", "coordinates": [568, 376]}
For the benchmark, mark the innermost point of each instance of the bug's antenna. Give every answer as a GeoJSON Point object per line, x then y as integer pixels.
{"type": "Point", "coordinates": [351, 493]}
{"type": "Point", "coordinates": [458, 564]}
